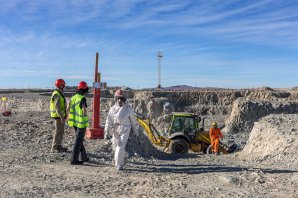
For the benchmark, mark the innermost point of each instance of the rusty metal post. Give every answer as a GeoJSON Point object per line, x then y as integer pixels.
{"type": "Point", "coordinates": [96, 132]}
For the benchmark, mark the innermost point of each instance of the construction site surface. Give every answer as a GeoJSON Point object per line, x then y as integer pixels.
{"type": "Point", "coordinates": [263, 123]}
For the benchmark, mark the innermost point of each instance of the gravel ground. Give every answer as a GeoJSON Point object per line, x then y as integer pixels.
{"type": "Point", "coordinates": [29, 170]}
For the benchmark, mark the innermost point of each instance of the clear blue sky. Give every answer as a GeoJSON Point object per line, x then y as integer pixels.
{"type": "Point", "coordinates": [214, 43]}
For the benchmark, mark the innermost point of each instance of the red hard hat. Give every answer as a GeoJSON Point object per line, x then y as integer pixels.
{"type": "Point", "coordinates": [82, 85]}
{"type": "Point", "coordinates": [59, 83]}
{"type": "Point", "coordinates": [119, 93]}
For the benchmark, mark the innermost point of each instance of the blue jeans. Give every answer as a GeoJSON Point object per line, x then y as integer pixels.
{"type": "Point", "coordinates": [78, 146]}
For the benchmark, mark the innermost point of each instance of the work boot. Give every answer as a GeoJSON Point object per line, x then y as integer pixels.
{"type": "Point", "coordinates": [62, 149]}
{"type": "Point", "coordinates": [86, 160]}
{"type": "Point", "coordinates": [76, 163]}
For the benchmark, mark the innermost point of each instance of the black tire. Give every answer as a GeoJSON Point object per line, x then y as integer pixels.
{"type": "Point", "coordinates": [209, 150]}
{"type": "Point", "coordinates": [179, 146]}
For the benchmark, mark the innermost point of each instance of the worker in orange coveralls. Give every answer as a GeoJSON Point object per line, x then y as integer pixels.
{"type": "Point", "coordinates": [215, 135]}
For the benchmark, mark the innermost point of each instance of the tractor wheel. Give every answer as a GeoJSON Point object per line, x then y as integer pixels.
{"type": "Point", "coordinates": [208, 150]}
{"type": "Point", "coordinates": [179, 146]}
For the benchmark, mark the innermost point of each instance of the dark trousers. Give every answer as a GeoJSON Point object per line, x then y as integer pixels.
{"type": "Point", "coordinates": [78, 147]}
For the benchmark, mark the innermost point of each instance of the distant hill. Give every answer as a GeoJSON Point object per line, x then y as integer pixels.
{"type": "Point", "coordinates": [179, 87]}
{"type": "Point", "coordinates": [186, 87]}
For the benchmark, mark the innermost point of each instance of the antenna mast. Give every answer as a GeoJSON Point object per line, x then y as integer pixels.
{"type": "Point", "coordinates": [159, 57]}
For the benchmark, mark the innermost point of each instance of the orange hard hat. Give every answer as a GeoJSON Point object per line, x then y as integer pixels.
{"type": "Point", "coordinates": [82, 85]}
{"type": "Point", "coordinates": [59, 83]}
{"type": "Point", "coordinates": [119, 93]}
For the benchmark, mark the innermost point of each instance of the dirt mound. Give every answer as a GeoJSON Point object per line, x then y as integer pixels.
{"type": "Point", "coordinates": [274, 139]}
{"type": "Point", "coordinates": [141, 146]}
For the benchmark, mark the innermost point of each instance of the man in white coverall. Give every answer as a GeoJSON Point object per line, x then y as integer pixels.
{"type": "Point", "coordinates": [121, 119]}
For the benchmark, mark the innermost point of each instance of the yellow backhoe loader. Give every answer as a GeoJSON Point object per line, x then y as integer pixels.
{"type": "Point", "coordinates": [184, 134]}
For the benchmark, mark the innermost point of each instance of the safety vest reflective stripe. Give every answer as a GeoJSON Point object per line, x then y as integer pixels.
{"type": "Point", "coordinates": [76, 114]}
{"type": "Point", "coordinates": [75, 121]}
{"type": "Point", "coordinates": [74, 105]}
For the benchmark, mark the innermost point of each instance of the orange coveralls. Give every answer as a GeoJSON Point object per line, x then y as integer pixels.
{"type": "Point", "coordinates": [215, 134]}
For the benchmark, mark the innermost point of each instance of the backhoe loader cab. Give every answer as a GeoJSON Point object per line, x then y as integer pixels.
{"type": "Point", "coordinates": [184, 122]}
{"type": "Point", "coordinates": [183, 132]}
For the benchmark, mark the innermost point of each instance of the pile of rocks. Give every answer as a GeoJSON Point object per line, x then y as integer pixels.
{"type": "Point", "coordinates": [274, 139]}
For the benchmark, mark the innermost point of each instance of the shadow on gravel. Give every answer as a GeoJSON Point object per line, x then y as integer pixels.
{"type": "Point", "coordinates": [196, 169]}
{"type": "Point", "coordinates": [94, 164]}
{"type": "Point", "coordinates": [277, 171]}
{"type": "Point", "coordinates": [173, 157]}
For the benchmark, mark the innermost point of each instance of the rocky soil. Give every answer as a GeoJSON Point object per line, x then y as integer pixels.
{"type": "Point", "coordinates": [264, 122]}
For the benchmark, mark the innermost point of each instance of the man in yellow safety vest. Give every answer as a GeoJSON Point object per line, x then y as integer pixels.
{"type": "Point", "coordinates": [58, 113]}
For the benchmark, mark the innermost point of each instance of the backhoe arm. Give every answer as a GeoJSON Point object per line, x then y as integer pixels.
{"type": "Point", "coordinates": [153, 135]}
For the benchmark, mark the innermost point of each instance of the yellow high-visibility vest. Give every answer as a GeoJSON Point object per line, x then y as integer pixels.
{"type": "Point", "coordinates": [76, 117]}
{"type": "Point", "coordinates": [53, 106]}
